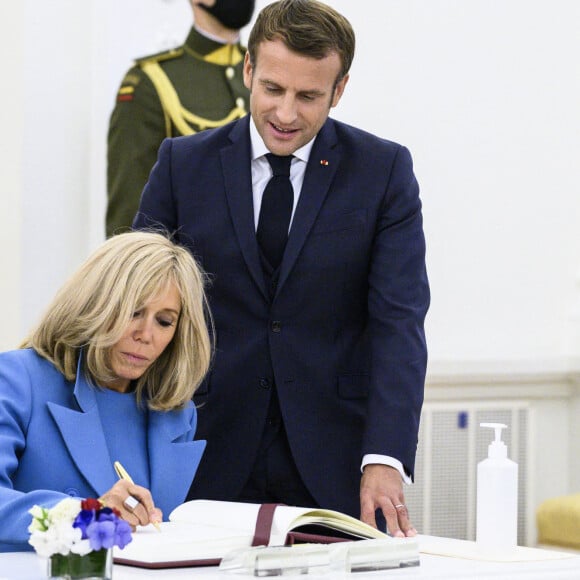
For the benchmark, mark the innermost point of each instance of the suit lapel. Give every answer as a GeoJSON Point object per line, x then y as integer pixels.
{"type": "Point", "coordinates": [236, 164]}
{"type": "Point", "coordinates": [171, 460]}
{"type": "Point", "coordinates": [83, 436]}
{"type": "Point", "coordinates": [322, 166]}
{"type": "Point", "coordinates": [84, 439]}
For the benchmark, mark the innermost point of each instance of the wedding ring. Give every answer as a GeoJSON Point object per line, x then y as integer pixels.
{"type": "Point", "coordinates": [399, 505]}
{"type": "Point", "coordinates": [131, 503]}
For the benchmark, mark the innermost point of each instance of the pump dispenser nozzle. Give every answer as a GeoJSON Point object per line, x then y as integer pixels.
{"type": "Point", "coordinates": [497, 448]}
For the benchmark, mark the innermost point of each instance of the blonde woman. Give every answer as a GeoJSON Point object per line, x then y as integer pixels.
{"type": "Point", "coordinates": [108, 375]}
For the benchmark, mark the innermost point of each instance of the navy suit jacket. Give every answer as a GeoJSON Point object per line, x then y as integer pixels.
{"type": "Point", "coordinates": [341, 336]}
{"type": "Point", "coordinates": [52, 445]}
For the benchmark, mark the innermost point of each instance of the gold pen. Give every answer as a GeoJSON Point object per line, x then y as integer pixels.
{"type": "Point", "coordinates": [123, 474]}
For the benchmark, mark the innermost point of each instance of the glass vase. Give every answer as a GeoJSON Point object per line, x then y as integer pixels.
{"type": "Point", "coordinates": [96, 565]}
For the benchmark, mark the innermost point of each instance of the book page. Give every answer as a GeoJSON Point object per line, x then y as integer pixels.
{"type": "Point", "coordinates": [182, 541]}
{"type": "Point", "coordinates": [288, 518]}
{"type": "Point", "coordinates": [243, 516]}
{"type": "Point", "coordinates": [224, 514]}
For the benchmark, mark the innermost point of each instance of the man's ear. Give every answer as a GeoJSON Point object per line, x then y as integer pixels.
{"type": "Point", "coordinates": [248, 71]}
{"type": "Point", "coordinates": [339, 90]}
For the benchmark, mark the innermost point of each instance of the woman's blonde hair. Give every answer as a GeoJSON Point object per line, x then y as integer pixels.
{"type": "Point", "coordinates": [95, 306]}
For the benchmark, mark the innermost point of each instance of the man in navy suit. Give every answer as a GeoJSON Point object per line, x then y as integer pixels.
{"type": "Point", "coordinates": [320, 360]}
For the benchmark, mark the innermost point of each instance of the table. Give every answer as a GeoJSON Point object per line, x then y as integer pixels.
{"type": "Point", "coordinates": [27, 566]}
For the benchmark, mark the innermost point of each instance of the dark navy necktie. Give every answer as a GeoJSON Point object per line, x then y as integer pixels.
{"type": "Point", "coordinates": [276, 210]}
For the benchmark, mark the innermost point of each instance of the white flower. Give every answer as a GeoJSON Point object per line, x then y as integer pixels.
{"type": "Point", "coordinates": [65, 511]}
{"type": "Point", "coordinates": [51, 531]}
{"type": "Point", "coordinates": [64, 536]}
{"type": "Point", "coordinates": [42, 543]}
{"type": "Point", "coordinates": [82, 547]}
{"type": "Point", "coordinates": [37, 512]}
{"type": "Point", "coordinates": [39, 519]}
{"type": "Point", "coordinates": [37, 525]}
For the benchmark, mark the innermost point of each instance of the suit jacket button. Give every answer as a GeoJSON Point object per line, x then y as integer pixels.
{"type": "Point", "coordinates": [276, 326]}
{"type": "Point", "coordinates": [264, 383]}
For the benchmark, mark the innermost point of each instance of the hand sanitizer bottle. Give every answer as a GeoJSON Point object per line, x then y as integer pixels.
{"type": "Point", "coordinates": [497, 496]}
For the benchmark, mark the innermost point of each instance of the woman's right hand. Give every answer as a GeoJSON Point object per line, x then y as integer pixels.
{"type": "Point", "coordinates": [134, 503]}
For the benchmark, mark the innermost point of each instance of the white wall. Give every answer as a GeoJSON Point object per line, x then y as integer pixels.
{"type": "Point", "coordinates": [484, 93]}
{"type": "Point", "coordinates": [56, 102]}
{"type": "Point", "coordinates": [11, 113]}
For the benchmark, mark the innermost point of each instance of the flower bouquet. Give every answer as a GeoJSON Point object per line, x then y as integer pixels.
{"type": "Point", "coordinates": [78, 537]}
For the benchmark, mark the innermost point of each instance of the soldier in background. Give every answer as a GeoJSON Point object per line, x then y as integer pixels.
{"type": "Point", "coordinates": [182, 91]}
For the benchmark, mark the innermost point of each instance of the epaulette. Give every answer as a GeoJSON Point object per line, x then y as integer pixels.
{"type": "Point", "coordinates": [161, 56]}
{"type": "Point", "coordinates": [131, 79]}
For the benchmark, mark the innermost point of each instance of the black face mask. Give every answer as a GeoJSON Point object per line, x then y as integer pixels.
{"type": "Point", "coordinates": [233, 14]}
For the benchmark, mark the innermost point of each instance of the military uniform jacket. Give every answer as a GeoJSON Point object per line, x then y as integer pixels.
{"type": "Point", "coordinates": [179, 92]}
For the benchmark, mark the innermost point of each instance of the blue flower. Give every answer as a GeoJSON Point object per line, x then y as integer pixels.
{"type": "Point", "coordinates": [82, 521]}
{"type": "Point", "coordinates": [122, 534]}
{"type": "Point", "coordinates": [107, 515]}
{"type": "Point", "coordinates": [101, 534]}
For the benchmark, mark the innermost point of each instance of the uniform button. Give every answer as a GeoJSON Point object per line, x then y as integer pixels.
{"type": "Point", "coordinates": [264, 383]}
{"type": "Point", "coordinates": [276, 326]}
{"type": "Point", "coordinates": [240, 103]}
{"type": "Point", "coordinates": [230, 73]}
{"type": "Point", "coordinates": [72, 492]}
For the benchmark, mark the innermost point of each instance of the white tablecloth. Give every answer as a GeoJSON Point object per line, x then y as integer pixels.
{"type": "Point", "coordinates": [27, 566]}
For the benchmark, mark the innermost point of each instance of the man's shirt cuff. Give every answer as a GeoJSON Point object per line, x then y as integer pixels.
{"type": "Point", "coordinates": [386, 460]}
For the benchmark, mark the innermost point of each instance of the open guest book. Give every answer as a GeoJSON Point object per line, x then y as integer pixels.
{"type": "Point", "coordinates": [202, 532]}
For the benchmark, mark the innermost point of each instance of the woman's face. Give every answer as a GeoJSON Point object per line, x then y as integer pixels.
{"type": "Point", "coordinates": [146, 337]}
